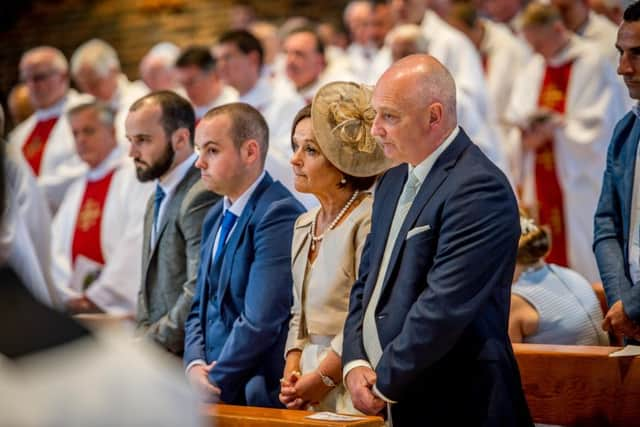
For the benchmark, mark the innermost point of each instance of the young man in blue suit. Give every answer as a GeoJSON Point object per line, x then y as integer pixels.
{"type": "Point", "coordinates": [617, 219]}
{"type": "Point", "coordinates": [237, 328]}
{"type": "Point", "coordinates": [426, 336]}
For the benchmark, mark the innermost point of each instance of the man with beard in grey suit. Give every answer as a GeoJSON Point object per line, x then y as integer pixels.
{"type": "Point", "coordinates": [160, 128]}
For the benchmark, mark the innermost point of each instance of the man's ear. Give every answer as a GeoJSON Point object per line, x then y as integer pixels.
{"type": "Point", "coordinates": [250, 151]}
{"type": "Point", "coordinates": [180, 138]}
{"type": "Point", "coordinates": [436, 112]}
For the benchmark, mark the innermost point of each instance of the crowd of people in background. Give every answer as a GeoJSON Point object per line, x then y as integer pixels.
{"type": "Point", "coordinates": [353, 220]}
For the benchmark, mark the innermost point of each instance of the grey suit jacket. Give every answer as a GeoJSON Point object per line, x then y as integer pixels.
{"type": "Point", "coordinates": [169, 269]}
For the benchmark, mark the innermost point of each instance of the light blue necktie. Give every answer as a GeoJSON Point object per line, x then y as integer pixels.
{"type": "Point", "coordinates": [228, 220]}
{"type": "Point", "coordinates": [157, 201]}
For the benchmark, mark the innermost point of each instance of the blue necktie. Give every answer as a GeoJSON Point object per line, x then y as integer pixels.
{"type": "Point", "coordinates": [157, 201]}
{"type": "Point", "coordinates": [228, 219]}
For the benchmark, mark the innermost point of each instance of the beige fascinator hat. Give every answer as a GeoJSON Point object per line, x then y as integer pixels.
{"type": "Point", "coordinates": [341, 116]}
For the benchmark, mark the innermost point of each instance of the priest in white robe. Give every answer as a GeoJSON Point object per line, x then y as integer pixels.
{"type": "Point", "coordinates": [97, 233]}
{"type": "Point", "coordinates": [565, 104]}
{"type": "Point", "coordinates": [44, 141]}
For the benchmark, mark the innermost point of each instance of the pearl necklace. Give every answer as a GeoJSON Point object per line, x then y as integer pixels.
{"type": "Point", "coordinates": [335, 221]}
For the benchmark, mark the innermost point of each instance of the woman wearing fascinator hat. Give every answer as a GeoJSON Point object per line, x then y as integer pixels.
{"type": "Point", "coordinates": [336, 159]}
{"type": "Point", "coordinates": [550, 304]}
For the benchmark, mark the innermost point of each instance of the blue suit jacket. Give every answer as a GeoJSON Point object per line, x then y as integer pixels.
{"type": "Point", "coordinates": [443, 310]}
{"type": "Point", "coordinates": [611, 222]}
{"type": "Point", "coordinates": [240, 312]}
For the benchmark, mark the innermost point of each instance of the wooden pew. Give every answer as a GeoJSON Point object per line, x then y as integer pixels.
{"type": "Point", "coordinates": [243, 416]}
{"type": "Point", "coordinates": [580, 385]}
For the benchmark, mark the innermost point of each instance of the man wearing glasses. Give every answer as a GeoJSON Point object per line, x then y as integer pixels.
{"type": "Point", "coordinates": [44, 140]}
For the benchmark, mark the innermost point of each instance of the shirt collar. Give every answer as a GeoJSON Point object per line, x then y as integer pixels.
{"type": "Point", "coordinates": [636, 110]}
{"type": "Point", "coordinates": [422, 169]}
{"type": "Point", "coordinates": [107, 165]}
{"type": "Point", "coordinates": [55, 110]}
{"type": "Point", "coordinates": [171, 181]}
{"type": "Point", "coordinates": [238, 206]}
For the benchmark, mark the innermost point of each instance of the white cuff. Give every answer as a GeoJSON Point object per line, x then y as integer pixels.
{"type": "Point", "coordinates": [194, 363]}
{"type": "Point", "coordinates": [353, 364]}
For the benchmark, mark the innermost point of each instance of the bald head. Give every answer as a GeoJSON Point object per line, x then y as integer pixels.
{"type": "Point", "coordinates": [44, 70]}
{"type": "Point", "coordinates": [415, 103]}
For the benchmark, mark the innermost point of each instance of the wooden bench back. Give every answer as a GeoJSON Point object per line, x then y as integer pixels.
{"type": "Point", "coordinates": [579, 385]}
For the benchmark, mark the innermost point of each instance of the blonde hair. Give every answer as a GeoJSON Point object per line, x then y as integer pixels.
{"type": "Point", "coordinates": [534, 241]}
{"type": "Point", "coordinates": [538, 14]}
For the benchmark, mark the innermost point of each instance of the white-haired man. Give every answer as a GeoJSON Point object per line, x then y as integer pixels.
{"type": "Point", "coordinates": [157, 67]}
{"type": "Point", "coordinates": [95, 68]}
{"type": "Point", "coordinates": [97, 233]}
{"type": "Point", "coordinates": [44, 140]}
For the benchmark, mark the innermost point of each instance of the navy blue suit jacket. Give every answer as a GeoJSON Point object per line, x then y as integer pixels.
{"type": "Point", "coordinates": [611, 222]}
{"type": "Point", "coordinates": [443, 311]}
{"type": "Point", "coordinates": [241, 308]}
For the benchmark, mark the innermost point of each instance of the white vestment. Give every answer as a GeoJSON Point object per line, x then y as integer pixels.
{"type": "Point", "coordinates": [460, 57]}
{"type": "Point", "coordinates": [126, 94]}
{"type": "Point", "coordinates": [592, 109]}
{"type": "Point", "coordinates": [279, 109]}
{"type": "Point", "coordinates": [604, 34]}
{"type": "Point", "coordinates": [116, 289]}
{"type": "Point", "coordinates": [60, 163]}
{"type": "Point", "coordinates": [361, 59]}
{"type": "Point", "coordinates": [227, 96]}
{"type": "Point", "coordinates": [505, 55]}
{"type": "Point", "coordinates": [26, 234]}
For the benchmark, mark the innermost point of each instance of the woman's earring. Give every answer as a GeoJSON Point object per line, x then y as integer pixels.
{"type": "Point", "coordinates": [343, 181]}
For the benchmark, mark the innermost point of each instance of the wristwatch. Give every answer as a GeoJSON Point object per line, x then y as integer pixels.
{"type": "Point", "coordinates": [326, 379]}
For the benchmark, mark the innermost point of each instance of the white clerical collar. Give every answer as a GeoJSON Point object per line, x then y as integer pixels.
{"type": "Point", "coordinates": [259, 96]}
{"type": "Point", "coordinates": [422, 169]}
{"type": "Point", "coordinates": [169, 182]}
{"type": "Point", "coordinates": [55, 110]}
{"type": "Point", "coordinates": [238, 206]}
{"type": "Point", "coordinates": [111, 162]}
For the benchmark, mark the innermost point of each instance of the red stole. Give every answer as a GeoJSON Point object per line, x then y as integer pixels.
{"type": "Point", "coordinates": [484, 58]}
{"type": "Point", "coordinates": [553, 96]}
{"type": "Point", "coordinates": [86, 237]}
{"type": "Point", "coordinates": [34, 146]}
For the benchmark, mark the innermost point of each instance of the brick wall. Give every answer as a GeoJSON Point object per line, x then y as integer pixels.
{"type": "Point", "coordinates": [131, 26]}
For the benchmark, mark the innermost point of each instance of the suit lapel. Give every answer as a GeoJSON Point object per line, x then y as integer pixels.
{"type": "Point", "coordinates": [300, 248]}
{"type": "Point", "coordinates": [238, 234]}
{"type": "Point", "coordinates": [146, 244]}
{"type": "Point", "coordinates": [631, 148]}
{"type": "Point", "coordinates": [388, 198]}
{"type": "Point", "coordinates": [208, 254]}
{"type": "Point", "coordinates": [432, 182]}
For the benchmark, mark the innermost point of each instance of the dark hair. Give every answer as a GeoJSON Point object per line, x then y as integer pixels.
{"type": "Point", "coordinates": [244, 41]}
{"type": "Point", "coordinates": [534, 243]}
{"type": "Point", "coordinates": [177, 112]}
{"type": "Point", "coordinates": [198, 56]}
{"type": "Point", "coordinates": [246, 123]}
{"type": "Point", "coordinates": [632, 13]}
{"type": "Point", "coordinates": [357, 183]}
{"type": "Point", "coordinates": [320, 48]}
{"type": "Point", "coordinates": [465, 11]}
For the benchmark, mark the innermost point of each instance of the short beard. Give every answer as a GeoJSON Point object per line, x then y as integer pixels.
{"type": "Point", "coordinates": [157, 169]}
